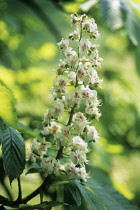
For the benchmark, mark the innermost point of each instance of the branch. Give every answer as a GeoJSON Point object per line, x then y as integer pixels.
{"type": "Point", "coordinates": [42, 187]}
{"type": "Point", "coordinates": [44, 17]}
{"type": "Point", "coordinates": [19, 190]}
{"type": "Point", "coordinates": [6, 189]}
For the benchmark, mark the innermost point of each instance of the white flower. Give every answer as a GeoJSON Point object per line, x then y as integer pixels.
{"type": "Point", "coordinates": [63, 44]}
{"type": "Point", "coordinates": [92, 133]}
{"type": "Point", "coordinates": [44, 145]}
{"type": "Point", "coordinates": [78, 157]}
{"type": "Point", "coordinates": [72, 60]}
{"type": "Point", "coordinates": [31, 157]}
{"type": "Point", "coordinates": [52, 128]}
{"type": "Point", "coordinates": [79, 144]}
{"type": "Point", "coordinates": [70, 170]}
{"type": "Point", "coordinates": [84, 46]}
{"type": "Point", "coordinates": [87, 25]}
{"type": "Point", "coordinates": [70, 52]}
{"type": "Point", "coordinates": [81, 72]}
{"type": "Point", "coordinates": [95, 58]}
{"type": "Point", "coordinates": [79, 122]}
{"type": "Point", "coordinates": [47, 117]}
{"type": "Point", "coordinates": [35, 145]}
{"type": "Point", "coordinates": [72, 76]}
{"type": "Point", "coordinates": [75, 35]}
{"type": "Point", "coordinates": [86, 62]}
{"type": "Point", "coordinates": [70, 99]}
{"type": "Point", "coordinates": [86, 92]}
{"type": "Point", "coordinates": [57, 109]}
{"type": "Point", "coordinates": [81, 173]}
{"type": "Point", "coordinates": [74, 19]}
{"type": "Point", "coordinates": [91, 27]}
{"type": "Point", "coordinates": [50, 166]}
{"type": "Point", "coordinates": [62, 66]}
{"type": "Point", "coordinates": [93, 75]}
{"type": "Point", "coordinates": [91, 110]}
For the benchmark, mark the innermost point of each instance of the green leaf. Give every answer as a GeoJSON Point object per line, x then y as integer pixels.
{"type": "Point", "coordinates": [7, 106]}
{"type": "Point", "coordinates": [93, 201]}
{"type": "Point", "coordinates": [10, 208]}
{"type": "Point", "coordinates": [135, 5]}
{"type": "Point", "coordinates": [111, 13]}
{"type": "Point", "coordinates": [29, 132]}
{"type": "Point", "coordinates": [2, 127]}
{"type": "Point", "coordinates": [13, 153]}
{"type": "Point", "coordinates": [86, 6]}
{"type": "Point", "coordinates": [99, 175]}
{"type": "Point", "coordinates": [114, 200]}
{"type": "Point", "coordinates": [133, 26]}
{"type": "Point", "coordinates": [111, 198]}
{"type": "Point", "coordinates": [75, 193]}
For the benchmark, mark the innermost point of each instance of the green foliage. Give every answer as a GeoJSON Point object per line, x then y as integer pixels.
{"type": "Point", "coordinates": [13, 153]}
{"type": "Point", "coordinates": [75, 192]}
{"type": "Point", "coordinates": [7, 106]}
{"type": "Point", "coordinates": [111, 13]}
{"type": "Point", "coordinates": [100, 194]}
{"type": "Point", "coordinates": [119, 13]}
{"type": "Point", "coordinates": [24, 36]}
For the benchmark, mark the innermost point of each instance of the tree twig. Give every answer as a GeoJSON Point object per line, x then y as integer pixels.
{"type": "Point", "coordinates": [19, 198]}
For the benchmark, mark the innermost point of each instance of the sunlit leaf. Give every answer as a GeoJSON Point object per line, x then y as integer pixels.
{"type": "Point", "coordinates": [87, 5]}
{"type": "Point", "coordinates": [7, 106]}
{"type": "Point", "coordinates": [133, 26]}
{"type": "Point", "coordinates": [111, 13]}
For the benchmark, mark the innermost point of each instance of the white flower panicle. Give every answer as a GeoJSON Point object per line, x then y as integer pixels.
{"type": "Point", "coordinates": [73, 97]}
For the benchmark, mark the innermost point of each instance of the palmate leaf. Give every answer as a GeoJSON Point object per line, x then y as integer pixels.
{"type": "Point", "coordinates": [13, 153]}
{"type": "Point", "coordinates": [75, 193]}
{"type": "Point", "coordinates": [93, 201]}
{"type": "Point", "coordinates": [7, 106]}
{"type": "Point", "coordinates": [114, 200]}
{"type": "Point", "coordinates": [110, 197]}
{"type": "Point", "coordinates": [111, 13]}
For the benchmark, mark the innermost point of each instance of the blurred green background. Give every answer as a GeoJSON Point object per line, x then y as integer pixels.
{"type": "Point", "coordinates": [29, 31]}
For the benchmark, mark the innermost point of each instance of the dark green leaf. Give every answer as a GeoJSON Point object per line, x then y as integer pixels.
{"type": "Point", "coordinates": [93, 201]}
{"type": "Point", "coordinates": [13, 153]}
{"type": "Point", "coordinates": [137, 59]}
{"type": "Point", "coordinates": [2, 127]}
{"type": "Point", "coordinates": [111, 13]}
{"type": "Point", "coordinates": [75, 193]}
